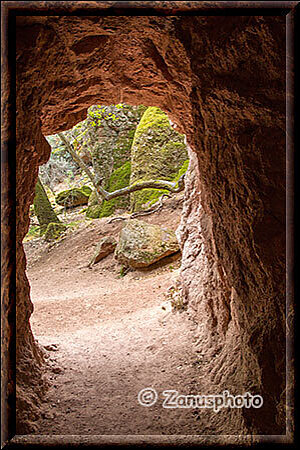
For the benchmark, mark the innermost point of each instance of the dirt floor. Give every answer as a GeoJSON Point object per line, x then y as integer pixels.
{"type": "Point", "coordinates": [107, 337]}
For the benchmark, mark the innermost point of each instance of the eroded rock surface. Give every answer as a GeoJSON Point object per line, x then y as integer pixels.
{"type": "Point", "coordinates": [142, 244]}
{"type": "Point", "coordinates": [222, 81]}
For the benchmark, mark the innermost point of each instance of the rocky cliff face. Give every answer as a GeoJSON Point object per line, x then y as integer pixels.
{"type": "Point", "coordinates": [222, 81]}
{"type": "Point", "coordinates": [233, 284]}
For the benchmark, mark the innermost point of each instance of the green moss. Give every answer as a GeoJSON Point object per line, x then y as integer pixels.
{"type": "Point", "coordinates": [74, 196]}
{"type": "Point", "coordinates": [152, 118]}
{"type": "Point", "coordinates": [182, 170]}
{"type": "Point", "coordinates": [149, 196]}
{"type": "Point", "coordinates": [33, 232]}
{"type": "Point", "coordinates": [119, 179]}
{"type": "Point", "coordinates": [94, 211]}
{"type": "Point", "coordinates": [93, 199]}
{"type": "Point", "coordinates": [74, 224]}
{"type": "Point", "coordinates": [42, 207]}
{"type": "Point", "coordinates": [158, 152]}
{"type": "Point", "coordinates": [123, 148]}
{"type": "Point", "coordinates": [54, 230]}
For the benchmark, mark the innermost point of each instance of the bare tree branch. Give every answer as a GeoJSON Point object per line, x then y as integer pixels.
{"type": "Point", "coordinates": [81, 164]}
{"type": "Point", "coordinates": [152, 184]}
{"type": "Point", "coordinates": [151, 210]}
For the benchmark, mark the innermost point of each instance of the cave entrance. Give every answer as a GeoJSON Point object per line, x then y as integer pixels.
{"type": "Point", "coordinates": [104, 274]}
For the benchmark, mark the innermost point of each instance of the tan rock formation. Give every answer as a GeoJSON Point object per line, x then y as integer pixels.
{"type": "Point", "coordinates": [142, 244]}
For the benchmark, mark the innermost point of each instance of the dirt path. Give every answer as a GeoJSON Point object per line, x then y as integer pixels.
{"type": "Point", "coordinates": [112, 337]}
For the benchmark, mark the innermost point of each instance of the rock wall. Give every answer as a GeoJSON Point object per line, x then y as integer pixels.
{"type": "Point", "coordinates": [237, 198]}
{"type": "Point", "coordinates": [42, 207]}
{"type": "Point", "coordinates": [222, 82]}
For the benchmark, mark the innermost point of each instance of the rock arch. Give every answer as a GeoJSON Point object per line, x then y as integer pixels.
{"type": "Point", "coordinates": [222, 81]}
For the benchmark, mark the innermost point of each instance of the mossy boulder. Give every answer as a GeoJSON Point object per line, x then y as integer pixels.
{"type": "Point", "coordinates": [42, 207]}
{"type": "Point", "coordinates": [142, 244]}
{"type": "Point", "coordinates": [158, 152]}
{"type": "Point", "coordinates": [119, 179]}
{"type": "Point", "coordinates": [182, 170]}
{"type": "Point", "coordinates": [74, 197]}
{"type": "Point", "coordinates": [54, 230]}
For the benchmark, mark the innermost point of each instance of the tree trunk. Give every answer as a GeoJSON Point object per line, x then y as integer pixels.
{"type": "Point", "coordinates": [81, 164]}
{"type": "Point", "coordinates": [42, 207]}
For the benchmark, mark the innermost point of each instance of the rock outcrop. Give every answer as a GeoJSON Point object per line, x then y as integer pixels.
{"type": "Point", "coordinates": [43, 208]}
{"type": "Point", "coordinates": [106, 135]}
{"type": "Point", "coordinates": [111, 130]}
{"type": "Point", "coordinates": [158, 152]}
{"type": "Point", "coordinates": [222, 81]}
{"type": "Point", "coordinates": [145, 144]}
{"type": "Point", "coordinates": [142, 244]}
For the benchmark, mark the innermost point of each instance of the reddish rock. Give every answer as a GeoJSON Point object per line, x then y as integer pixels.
{"type": "Point", "coordinates": [106, 246]}
{"type": "Point", "coordinates": [222, 81]}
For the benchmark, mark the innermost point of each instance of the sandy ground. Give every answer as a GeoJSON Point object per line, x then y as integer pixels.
{"type": "Point", "coordinates": [110, 337]}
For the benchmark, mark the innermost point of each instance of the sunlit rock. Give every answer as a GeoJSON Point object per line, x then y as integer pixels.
{"type": "Point", "coordinates": [142, 244]}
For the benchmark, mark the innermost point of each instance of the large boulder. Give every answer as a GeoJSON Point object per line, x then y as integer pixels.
{"type": "Point", "coordinates": [73, 197]}
{"type": "Point", "coordinates": [111, 131]}
{"type": "Point", "coordinates": [158, 152]}
{"type": "Point", "coordinates": [142, 244]}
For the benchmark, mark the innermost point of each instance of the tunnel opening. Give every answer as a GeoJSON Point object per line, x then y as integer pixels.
{"type": "Point", "coordinates": [104, 274]}
{"type": "Point", "coordinates": [234, 205]}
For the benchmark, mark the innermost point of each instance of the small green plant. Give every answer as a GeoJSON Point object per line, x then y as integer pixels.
{"type": "Point", "coordinates": [73, 225]}
{"type": "Point", "coordinates": [177, 304]}
{"type": "Point", "coordinates": [33, 232]}
{"type": "Point", "coordinates": [174, 295]}
{"type": "Point", "coordinates": [123, 271]}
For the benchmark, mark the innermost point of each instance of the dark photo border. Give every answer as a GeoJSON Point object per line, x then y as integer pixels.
{"type": "Point", "coordinates": [9, 11]}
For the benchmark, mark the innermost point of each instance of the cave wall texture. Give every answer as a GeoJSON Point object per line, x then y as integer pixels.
{"type": "Point", "coordinates": [221, 80]}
